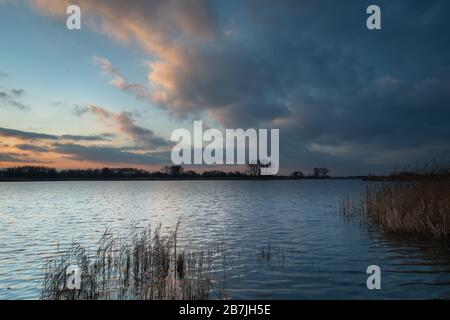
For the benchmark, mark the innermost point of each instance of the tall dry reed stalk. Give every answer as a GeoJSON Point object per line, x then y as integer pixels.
{"type": "Point", "coordinates": [414, 207]}
{"type": "Point", "coordinates": [150, 267]}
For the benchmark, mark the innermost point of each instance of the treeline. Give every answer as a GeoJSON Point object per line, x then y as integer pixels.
{"type": "Point", "coordinates": [317, 173]}
{"type": "Point", "coordinates": [166, 172]}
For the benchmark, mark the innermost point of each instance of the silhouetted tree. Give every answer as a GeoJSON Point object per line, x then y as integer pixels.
{"type": "Point", "coordinates": [320, 172]}
{"type": "Point", "coordinates": [174, 170]}
{"type": "Point", "coordinates": [190, 173]}
{"type": "Point", "coordinates": [297, 174]}
{"type": "Point", "coordinates": [254, 169]}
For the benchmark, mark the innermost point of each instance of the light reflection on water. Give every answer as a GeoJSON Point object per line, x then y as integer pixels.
{"type": "Point", "coordinates": [315, 253]}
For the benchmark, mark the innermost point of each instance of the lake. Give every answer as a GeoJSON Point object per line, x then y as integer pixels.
{"type": "Point", "coordinates": [316, 253]}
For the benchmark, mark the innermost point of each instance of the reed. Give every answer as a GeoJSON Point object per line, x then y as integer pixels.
{"type": "Point", "coordinates": [418, 205]}
{"type": "Point", "coordinates": [148, 267]}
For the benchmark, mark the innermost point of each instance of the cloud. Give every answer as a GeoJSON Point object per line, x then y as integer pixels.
{"type": "Point", "coordinates": [78, 110]}
{"type": "Point", "coordinates": [17, 92]}
{"type": "Point", "coordinates": [18, 158]}
{"type": "Point", "coordinates": [164, 29]}
{"type": "Point", "coordinates": [33, 148]}
{"type": "Point", "coordinates": [317, 74]}
{"type": "Point", "coordinates": [142, 137]}
{"type": "Point", "coordinates": [27, 135]}
{"type": "Point", "coordinates": [192, 18]}
{"type": "Point", "coordinates": [110, 155]}
{"type": "Point", "coordinates": [118, 81]}
{"type": "Point", "coordinates": [100, 137]}
{"type": "Point", "coordinates": [194, 66]}
{"type": "Point", "coordinates": [57, 145]}
{"type": "Point", "coordinates": [60, 145]}
{"type": "Point", "coordinates": [8, 157]}
{"type": "Point", "coordinates": [11, 99]}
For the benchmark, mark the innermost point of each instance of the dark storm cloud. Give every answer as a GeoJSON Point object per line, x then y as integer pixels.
{"type": "Point", "coordinates": [112, 155]}
{"type": "Point", "coordinates": [382, 94]}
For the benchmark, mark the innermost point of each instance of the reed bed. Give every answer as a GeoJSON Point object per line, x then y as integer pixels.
{"type": "Point", "coordinates": [413, 207]}
{"type": "Point", "coordinates": [148, 267]}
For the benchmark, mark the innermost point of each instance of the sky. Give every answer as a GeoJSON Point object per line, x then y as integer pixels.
{"type": "Point", "coordinates": [354, 100]}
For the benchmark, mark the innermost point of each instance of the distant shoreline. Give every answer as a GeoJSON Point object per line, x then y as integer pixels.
{"type": "Point", "coordinates": [167, 173]}
{"type": "Point", "coordinates": [268, 178]}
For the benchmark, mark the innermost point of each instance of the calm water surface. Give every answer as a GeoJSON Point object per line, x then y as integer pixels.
{"type": "Point", "coordinates": [316, 254]}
